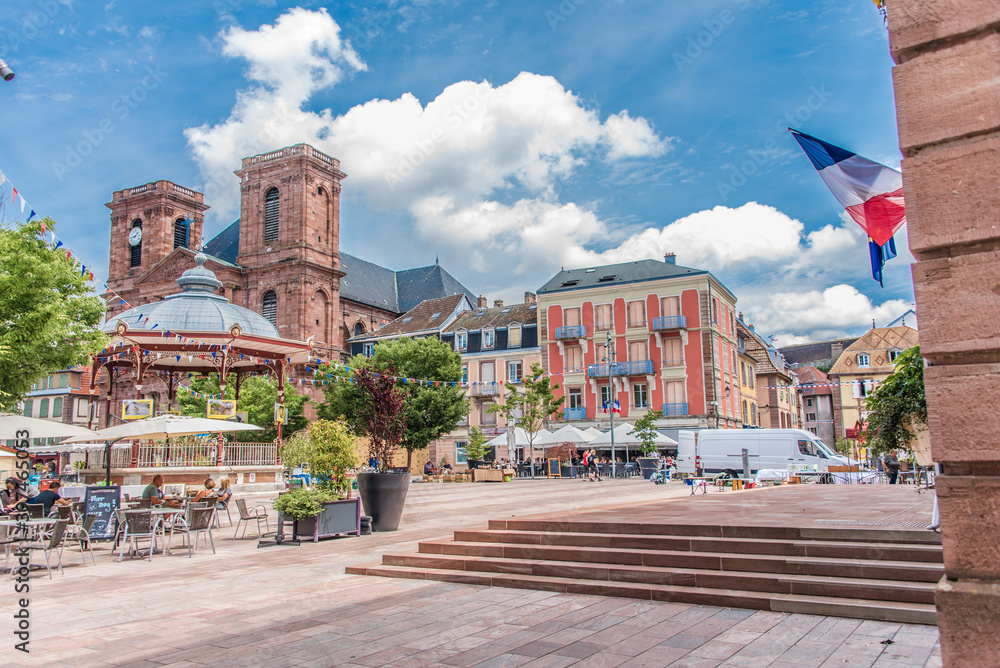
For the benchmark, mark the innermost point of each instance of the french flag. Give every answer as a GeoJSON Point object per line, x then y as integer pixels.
{"type": "Point", "coordinates": [616, 408]}
{"type": "Point", "coordinates": [871, 193]}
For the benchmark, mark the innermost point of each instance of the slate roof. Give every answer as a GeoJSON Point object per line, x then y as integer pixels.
{"type": "Point", "coordinates": [495, 317]}
{"type": "Point", "coordinates": [809, 376]}
{"type": "Point", "coordinates": [421, 318]}
{"type": "Point", "coordinates": [365, 282]}
{"type": "Point", "coordinates": [812, 353]}
{"type": "Point", "coordinates": [626, 272]}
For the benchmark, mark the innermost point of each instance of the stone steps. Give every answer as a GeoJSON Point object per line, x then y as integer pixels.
{"type": "Point", "coordinates": [879, 574]}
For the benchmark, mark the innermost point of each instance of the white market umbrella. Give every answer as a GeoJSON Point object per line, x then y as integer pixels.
{"type": "Point", "coordinates": [12, 428]}
{"type": "Point", "coordinates": [520, 437]}
{"type": "Point", "coordinates": [567, 434]}
{"type": "Point", "coordinates": [625, 436]}
{"type": "Point", "coordinates": [593, 431]}
{"type": "Point", "coordinates": [160, 427]}
{"type": "Point", "coordinates": [163, 426]}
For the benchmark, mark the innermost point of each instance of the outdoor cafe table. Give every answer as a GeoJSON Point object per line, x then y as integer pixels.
{"type": "Point", "coordinates": [34, 524]}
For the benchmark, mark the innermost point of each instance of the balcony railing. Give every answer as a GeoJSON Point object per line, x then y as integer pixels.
{"type": "Point", "coordinates": [633, 368]}
{"type": "Point", "coordinates": [673, 410]}
{"type": "Point", "coordinates": [574, 332]}
{"type": "Point", "coordinates": [670, 363]}
{"type": "Point", "coordinates": [489, 389]}
{"type": "Point", "coordinates": [579, 413]}
{"type": "Point", "coordinates": [670, 322]}
{"type": "Point", "coordinates": [250, 454]}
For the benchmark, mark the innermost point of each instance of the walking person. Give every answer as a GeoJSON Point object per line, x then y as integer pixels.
{"type": "Point", "coordinates": [595, 472]}
{"type": "Point", "coordinates": [891, 464]}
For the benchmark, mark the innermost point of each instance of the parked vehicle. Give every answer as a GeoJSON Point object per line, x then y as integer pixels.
{"type": "Point", "coordinates": [721, 451]}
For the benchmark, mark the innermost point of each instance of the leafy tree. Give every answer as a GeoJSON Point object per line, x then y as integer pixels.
{"type": "Point", "coordinates": [328, 448]}
{"type": "Point", "coordinates": [645, 429]}
{"type": "Point", "coordinates": [49, 316]}
{"type": "Point", "coordinates": [530, 403]}
{"type": "Point", "coordinates": [898, 401]}
{"type": "Point", "coordinates": [475, 449]}
{"type": "Point", "coordinates": [431, 410]}
{"type": "Point", "coordinates": [380, 414]}
{"type": "Point", "coordinates": [258, 394]}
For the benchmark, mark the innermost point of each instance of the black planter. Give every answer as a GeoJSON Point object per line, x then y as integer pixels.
{"type": "Point", "coordinates": [383, 495]}
{"type": "Point", "coordinates": [474, 463]}
{"type": "Point", "coordinates": [647, 466]}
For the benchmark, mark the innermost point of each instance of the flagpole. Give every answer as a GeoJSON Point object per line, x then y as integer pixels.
{"type": "Point", "coordinates": [614, 398]}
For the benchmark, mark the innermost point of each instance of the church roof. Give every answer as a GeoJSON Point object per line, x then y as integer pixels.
{"type": "Point", "coordinates": [196, 308]}
{"type": "Point", "coordinates": [365, 282]}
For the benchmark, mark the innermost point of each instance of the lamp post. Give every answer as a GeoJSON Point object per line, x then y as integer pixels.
{"type": "Point", "coordinates": [611, 390]}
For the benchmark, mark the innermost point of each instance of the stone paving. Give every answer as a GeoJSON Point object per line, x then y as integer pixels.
{"type": "Point", "coordinates": [293, 606]}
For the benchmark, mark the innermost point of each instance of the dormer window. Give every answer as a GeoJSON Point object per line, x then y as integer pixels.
{"type": "Point", "coordinates": [514, 336]}
{"type": "Point", "coordinates": [487, 338]}
{"type": "Point", "coordinates": [893, 354]}
{"type": "Point", "coordinates": [864, 360]}
{"type": "Point", "coordinates": [462, 340]}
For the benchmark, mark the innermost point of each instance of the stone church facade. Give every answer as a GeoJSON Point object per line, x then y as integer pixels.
{"type": "Point", "coordinates": [281, 258]}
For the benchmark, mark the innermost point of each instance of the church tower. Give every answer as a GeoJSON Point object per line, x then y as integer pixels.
{"type": "Point", "coordinates": [147, 223]}
{"type": "Point", "coordinates": [290, 242]}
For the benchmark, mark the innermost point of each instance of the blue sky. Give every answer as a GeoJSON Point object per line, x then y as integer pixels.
{"type": "Point", "coordinates": [508, 139]}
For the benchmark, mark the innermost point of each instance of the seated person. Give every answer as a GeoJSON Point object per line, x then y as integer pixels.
{"type": "Point", "coordinates": [30, 491]}
{"type": "Point", "coordinates": [224, 494]}
{"type": "Point", "coordinates": [446, 466]}
{"type": "Point", "coordinates": [154, 491]}
{"type": "Point", "coordinates": [12, 495]}
{"type": "Point", "coordinates": [428, 468]}
{"type": "Point", "coordinates": [207, 493]}
{"type": "Point", "coordinates": [50, 497]}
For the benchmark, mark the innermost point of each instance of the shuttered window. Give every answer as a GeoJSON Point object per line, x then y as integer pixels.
{"type": "Point", "coordinates": [670, 306]}
{"type": "Point", "coordinates": [637, 351]}
{"type": "Point", "coordinates": [271, 211]}
{"type": "Point", "coordinates": [604, 318]}
{"type": "Point", "coordinates": [637, 314]}
{"type": "Point", "coordinates": [180, 233]}
{"type": "Point", "coordinates": [270, 308]}
{"type": "Point", "coordinates": [572, 316]}
{"type": "Point", "coordinates": [574, 358]}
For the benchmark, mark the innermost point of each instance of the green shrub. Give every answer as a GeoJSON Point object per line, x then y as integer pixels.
{"type": "Point", "coordinates": [303, 503]}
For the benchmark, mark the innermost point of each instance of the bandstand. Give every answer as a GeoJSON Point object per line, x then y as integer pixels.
{"type": "Point", "coordinates": [157, 346]}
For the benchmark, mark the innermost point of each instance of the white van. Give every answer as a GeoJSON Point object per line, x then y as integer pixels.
{"type": "Point", "coordinates": [721, 451]}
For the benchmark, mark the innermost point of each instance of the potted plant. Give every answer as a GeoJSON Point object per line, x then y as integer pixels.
{"type": "Point", "coordinates": [897, 411]}
{"type": "Point", "coordinates": [645, 429]}
{"type": "Point", "coordinates": [475, 449]}
{"type": "Point", "coordinates": [327, 448]}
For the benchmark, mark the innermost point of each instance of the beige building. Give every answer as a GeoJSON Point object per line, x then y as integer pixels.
{"type": "Point", "coordinates": [858, 370]}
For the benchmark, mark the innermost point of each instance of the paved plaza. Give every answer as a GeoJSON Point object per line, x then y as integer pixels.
{"type": "Point", "coordinates": [294, 606]}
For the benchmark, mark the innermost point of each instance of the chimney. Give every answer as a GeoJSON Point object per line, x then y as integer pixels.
{"type": "Point", "coordinates": [529, 297]}
{"type": "Point", "coordinates": [670, 258]}
{"type": "Point", "coordinates": [481, 302]}
{"type": "Point", "coordinates": [835, 350]}
{"type": "Point", "coordinates": [497, 303]}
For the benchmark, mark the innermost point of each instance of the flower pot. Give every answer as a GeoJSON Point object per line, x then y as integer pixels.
{"type": "Point", "coordinates": [383, 495]}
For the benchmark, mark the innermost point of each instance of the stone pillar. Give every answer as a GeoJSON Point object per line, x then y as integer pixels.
{"type": "Point", "coordinates": [947, 84]}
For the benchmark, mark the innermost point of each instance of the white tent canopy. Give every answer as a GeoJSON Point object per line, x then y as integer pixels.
{"type": "Point", "coordinates": [520, 438]}
{"type": "Point", "coordinates": [625, 436]}
{"type": "Point", "coordinates": [13, 427]}
{"type": "Point", "coordinates": [567, 434]}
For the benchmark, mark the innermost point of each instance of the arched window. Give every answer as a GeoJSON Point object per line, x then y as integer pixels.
{"type": "Point", "coordinates": [359, 329]}
{"type": "Point", "coordinates": [270, 307]}
{"type": "Point", "coordinates": [135, 244]}
{"type": "Point", "coordinates": [180, 233]}
{"type": "Point", "coordinates": [271, 211]}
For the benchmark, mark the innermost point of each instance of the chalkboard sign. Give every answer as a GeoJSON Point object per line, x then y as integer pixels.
{"type": "Point", "coordinates": [102, 502]}
{"type": "Point", "coordinates": [553, 468]}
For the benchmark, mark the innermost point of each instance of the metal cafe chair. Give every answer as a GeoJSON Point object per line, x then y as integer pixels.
{"type": "Point", "coordinates": [36, 511]}
{"type": "Point", "coordinates": [257, 513]}
{"type": "Point", "coordinates": [198, 522]}
{"type": "Point", "coordinates": [52, 543]}
{"type": "Point", "coordinates": [81, 532]}
{"type": "Point", "coordinates": [139, 525]}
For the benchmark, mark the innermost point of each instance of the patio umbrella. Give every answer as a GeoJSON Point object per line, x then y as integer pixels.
{"type": "Point", "coordinates": [520, 437]}
{"type": "Point", "coordinates": [11, 425]}
{"type": "Point", "coordinates": [593, 431]}
{"type": "Point", "coordinates": [159, 427]}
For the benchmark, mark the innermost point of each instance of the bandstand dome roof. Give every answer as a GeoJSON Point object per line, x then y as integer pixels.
{"type": "Point", "coordinates": [196, 308]}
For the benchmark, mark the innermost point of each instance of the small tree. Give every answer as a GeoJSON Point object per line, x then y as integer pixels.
{"type": "Point", "coordinates": [380, 412]}
{"type": "Point", "coordinates": [645, 429]}
{"type": "Point", "coordinates": [564, 452]}
{"type": "Point", "coordinates": [475, 449]}
{"type": "Point", "coordinates": [328, 449]}
{"type": "Point", "coordinates": [534, 398]}
{"type": "Point", "coordinates": [899, 401]}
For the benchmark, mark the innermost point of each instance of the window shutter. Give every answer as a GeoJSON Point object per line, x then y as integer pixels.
{"type": "Point", "coordinates": [271, 211]}
{"type": "Point", "coordinates": [270, 308]}
{"type": "Point", "coordinates": [180, 234]}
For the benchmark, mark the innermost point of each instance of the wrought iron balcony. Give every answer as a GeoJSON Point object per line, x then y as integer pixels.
{"type": "Point", "coordinates": [633, 368]}
{"type": "Point", "coordinates": [490, 389]}
{"type": "Point", "coordinates": [574, 332]}
{"type": "Point", "coordinates": [673, 410]}
{"type": "Point", "coordinates": [574, 413]}
{"type": "Point", "coordinates": [670, 322]}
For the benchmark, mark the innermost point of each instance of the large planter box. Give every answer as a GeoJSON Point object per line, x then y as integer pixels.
{"type": "Point", "coordinates": [648, 466]}
{"type": "Point", "coordinates": [487, 475]}
{"type": "Point", "coordinates": [338, 518]}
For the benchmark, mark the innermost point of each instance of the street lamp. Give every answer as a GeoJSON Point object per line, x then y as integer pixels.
{"type": "Point", "coordinates": [610, 359]}
{"type": "Point", "coordinates": [713, 409]}
{"type": "Point", "coordinates": [5, 72]}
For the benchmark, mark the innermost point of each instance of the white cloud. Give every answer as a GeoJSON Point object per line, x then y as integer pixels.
{"type": "Point", "coordinates": [473, 140]}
